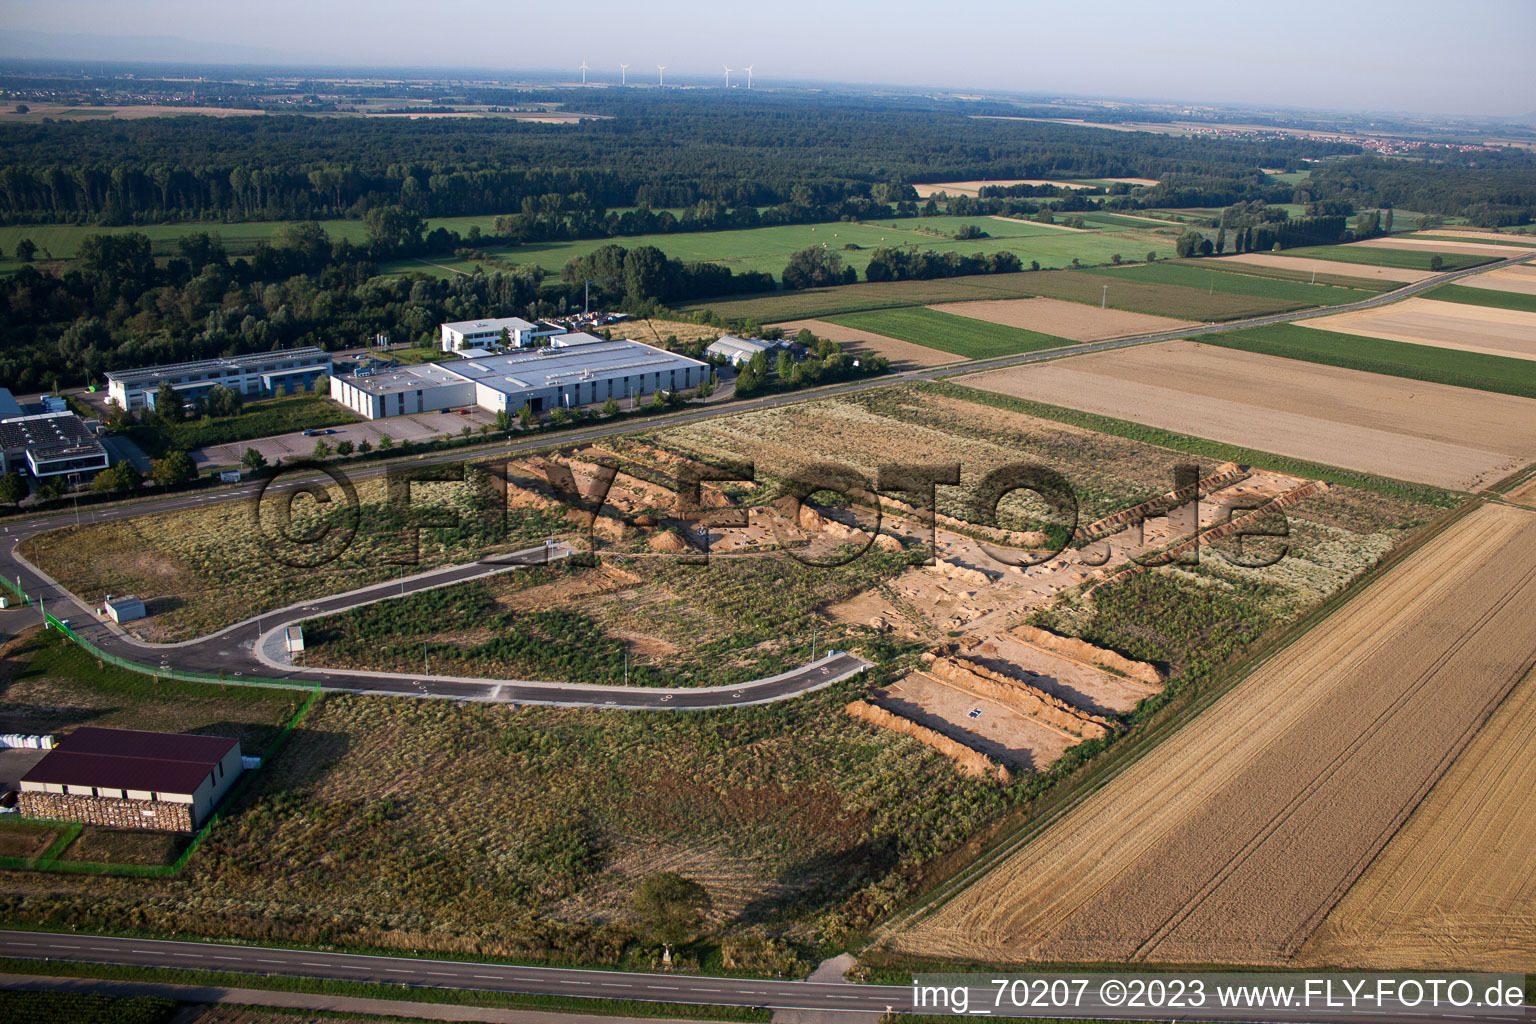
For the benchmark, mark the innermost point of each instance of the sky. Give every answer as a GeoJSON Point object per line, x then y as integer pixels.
{"type": "Point", "coordinates": [1431, 56]}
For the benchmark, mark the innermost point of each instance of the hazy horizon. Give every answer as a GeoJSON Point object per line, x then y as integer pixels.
{"type": "Point", "coordinates": [1373, 56]}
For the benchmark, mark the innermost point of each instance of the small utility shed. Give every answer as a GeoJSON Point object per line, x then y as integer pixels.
{"type": "Point", "coordinates": [125, 608]}
{"type": "Point", "coordinates": [125, 778]}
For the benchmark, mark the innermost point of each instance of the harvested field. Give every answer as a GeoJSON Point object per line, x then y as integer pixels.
{"type": "Point", "coordinates": [1453, 325]}
{"type": "Point", "coordinates": [1471, 236]}
{"type": "Point", "coordinates": [1411, 430]}
{"type": "Point", "coordinates": [1518, 279]}
{"type": "Point", "coordinates": [1072, 320]}
{"type": "Point", "coordinates": [1281, 262]}
{"type": "Point", "coordinates": [1525, 494]}
{"type": "Point", "coordinates": [972, 188]}
{"type": "Point", "coordinates": [1501, 252]}
{"type": "Point", "coordinates": [1230, 841]}
{"type": "Point", "coordinates": [1453, 887]}
{"type": "Point", "coordinates": [904, 355]}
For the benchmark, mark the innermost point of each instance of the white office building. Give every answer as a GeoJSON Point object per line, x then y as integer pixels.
{"type": "Point", "coordinates": [541, 378]}
{"type": "Point", "coordinates": [251, 375]}
{"type": "Point", "coordinates": [486, 334]}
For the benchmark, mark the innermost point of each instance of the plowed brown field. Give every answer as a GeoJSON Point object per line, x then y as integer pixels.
{"type": "Point", "coordinates": [1457, 885]}
{"type": "Point", "coordinates": [902, 354]}
{"type": "Point", "coordinates": [1502, 252]}
{"type": "Point", "coordinates": [1230, 841]}
{"type": "Point", "coordinates": [1454, 325]}
{"type": "Point", "coordinates": [1071, 320]}
{"type": "Point", "coordinates": [1335, 267]}
{"type": "Point", "coordinates": [1408, 429]}
{"type": "Point", "coordinates": [1519, 279]}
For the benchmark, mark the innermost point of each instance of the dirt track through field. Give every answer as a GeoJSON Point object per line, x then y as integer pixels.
{"type": "Point", "coordinates": [1457, 885]}
{"type": "Point", "coordinates": [1064, 319]}
{"type": "Point", "coordinates": [1453, 325]}
{"type": "Point", "coordinates": [1520, 279]}
{"type": "Point", "coordinates": [1230, 841]}
{"type": "Point", "coordinates": [1335, 267]}
{"type": "Point", "coordinates": [904, 355]}
{"type": "Point", "coordinates": [1412, 430]}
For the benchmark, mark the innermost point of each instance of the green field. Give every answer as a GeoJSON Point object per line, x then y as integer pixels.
{"type": "Point", "coordinates": [1394, 358]}
{"type": "Point", "coordinates": [1403, 259]}
{"type": "Point", "coordinates": [1216, 278]}
{"type": "Point", "coordinates": [1483, 297]}
{"type": "Point", "coordinates": [960, 335]}
{"type": "Point", "coordinates": [768, 249]}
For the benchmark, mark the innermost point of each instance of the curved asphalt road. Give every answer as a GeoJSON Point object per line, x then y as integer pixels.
{"type": "Point", "coordinates": [236, 655]}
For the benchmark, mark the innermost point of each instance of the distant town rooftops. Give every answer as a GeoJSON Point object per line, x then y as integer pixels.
{"type": "Point", "coordinates": [151, 374]}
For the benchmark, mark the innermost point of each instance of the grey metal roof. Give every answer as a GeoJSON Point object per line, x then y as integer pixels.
{"type": "Point", "coordinates": [153, 374]}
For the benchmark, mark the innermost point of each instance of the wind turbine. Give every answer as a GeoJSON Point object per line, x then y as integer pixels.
{"type": "Point", "coordinates": [583, 71]}
{"type": "Point", "coordinates": [623, 74]}
{"type": "Point", "coordinates": [727, 76]}
{"type": "Point", "coordinates": [661, 74]}
{"type": "Point", "coordinates": [748, 70]}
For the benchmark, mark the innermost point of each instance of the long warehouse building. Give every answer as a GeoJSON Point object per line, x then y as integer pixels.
{"type": "Point", "coordinates": [544, 378]}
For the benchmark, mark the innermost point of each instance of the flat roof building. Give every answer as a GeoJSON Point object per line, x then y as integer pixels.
{"type": "Point", "coordinates": [253, 374]}
{"type": "Point", "coordinates": [50, 444]}
{"type": "Point", "coordinates": [574, 374]}
{"type": "Point", "coordinates": [125, 778]}
{"type": "Point", "coordinates": [740, 350]}
{"type": "Point", "coordinates": [124, 608]}
{"type": "Point", "coordinates": [482, 334]}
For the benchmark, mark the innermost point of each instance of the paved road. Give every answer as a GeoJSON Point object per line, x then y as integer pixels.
{"type": "Point", "coordinates": [833, 996]}
{"type": "Point", "coordinates": [233, 654]}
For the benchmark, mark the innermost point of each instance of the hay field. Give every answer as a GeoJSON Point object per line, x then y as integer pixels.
{"type": "Point", "coordinates": [1518, 279]}
{"type": "Point", "coordinates": [1230, 841]}
{"type": "Point", "coordinates": [1469, 235]}
{"type": "Point", "coordinates": [1280, 262]}
{"type": "Point", "coordinates": [973, 188]}
{"type": "Point", "coordinates": [1072, 320]}
{"type": "Point", "coordinates": [1411, 430]}
{"type": "Point", "coordinates": [904, 355]}
{"type": "Point", "coordinates": [1453, 887]}
{"type": "Point", "coordinates": [1453, 325]}
{"type": "Point", "coordinates": [1494, 250]}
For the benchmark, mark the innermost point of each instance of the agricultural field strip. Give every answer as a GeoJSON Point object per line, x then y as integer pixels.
{"type": "Point", "coordinates": [1452, 886]}
{"type": "Point", "coordinates": [1445, 436]}
{"type": "Point", "coordinates": [1439, 324]}
{"type": "Point", "coordinates": [1096, 885]}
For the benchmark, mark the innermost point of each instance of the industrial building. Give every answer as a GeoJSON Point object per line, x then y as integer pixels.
{"type": "Point", "coordinates": [50, 444]}
{"type": "Point", "coordinates": [251, 375]}
{"type": "Point", "coordinates": [737, 351]}
{"type": "Point", "coordinates": [580, 370]}
{"type": "Point", "coordinates": [124, 778]}
{"type": "Point", "coordinates": [466, 335]}
{"type": "Point", "coordinates": [8, 405]}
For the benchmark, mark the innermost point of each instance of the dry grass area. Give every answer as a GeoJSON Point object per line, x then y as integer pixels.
{"type": "Point", "coordinates": [1411, 430]}
{"type": "Point", "coordinates": [1502, 252]}
{"type": "Point", "coordinates": [1332, 267]}
{"type": "Point", "coordinates": [202, 569]}
{"type": "Point", "coordinates": [1519, 279]}
{"type": "Point", "coordinates": [904, 355]}
{"type": "Point", "coordinates": [1525, 494]}
{"type": "Point", "coordinates": [1072, 320]}
{"type": "Point", "coordinates": [973, 188]}
{"type": "Point", "coordinates": [656, 332]}
{"type": "Point", "coordinates": [1454, 886]}
{"type": "Point", "coordinates": [1453, 325]}
{"type": "Point", "coordinates": [1230, 841]}
{"type": "Point", "coordinates": [1469, 234]}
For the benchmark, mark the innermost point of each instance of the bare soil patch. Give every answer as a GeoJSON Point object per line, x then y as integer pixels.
{"type": "Point", "coordinates": [1064, 319]}
{"type": "Point", "coordinates": [971, 188]}
{"type": "Point", "coordinates": [1453, 887]}
{"type": "Point", "coordinates": [1453, 325]}
{"type": "Point", "coordinates": [1229, 842]}
{"type": "Point", "coordinates": [1468, 248]}
{"type": "Point", "coordinates": [1002, 733]}
{"type": "Point", "coordinates": [1411, 430]}
{"type": "Point", "coordinates": [1335, 267]}
{"type": "Point", "coordinates": [903, 355]}
{"type": "Point", "coordinates": [1469, 235]}
{"type": "Point", "coordinates": [1519, 279]}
